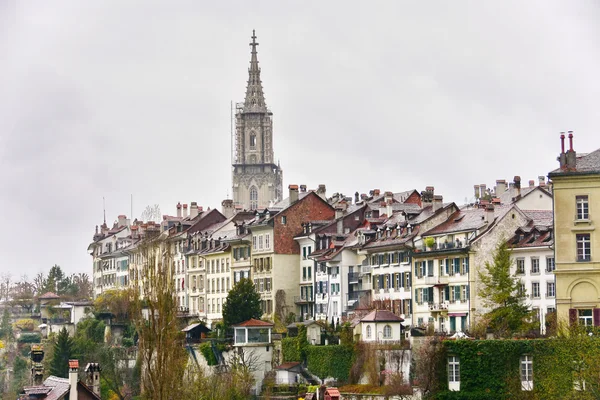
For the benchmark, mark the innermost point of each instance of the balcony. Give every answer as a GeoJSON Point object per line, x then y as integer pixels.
{"type": "Point", "coordinates": [436, 280]}
{"type": "Point", "coordinates": [438, 306]}
{"type": "Point", "coordinates": [303, 299]}
{"type": "Point", "coordinates": [353, 277]}
{"type": "Point", "coordinates": [365, 270]}
{"type": "Point", "coordinates": [358, 294]}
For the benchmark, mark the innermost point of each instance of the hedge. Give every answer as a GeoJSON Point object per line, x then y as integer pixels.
{"type": "Point", "coordinates": [330, 361]}
{"type": "Point", "coordinates": [30, 338]}
{"type": "Point", "coordinates": [290, 349]}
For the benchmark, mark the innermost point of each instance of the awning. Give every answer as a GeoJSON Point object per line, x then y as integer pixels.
{"type": "Point", "coordinates": [332, 392]}
{"type": "Point", "coordinates": [457, 314]}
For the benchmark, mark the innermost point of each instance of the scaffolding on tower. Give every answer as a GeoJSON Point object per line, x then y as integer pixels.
{"type": "Point", "coordinates": [235, 112]}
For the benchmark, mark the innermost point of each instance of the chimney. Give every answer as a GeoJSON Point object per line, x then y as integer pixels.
{"type": "Point", "coordinates": [356, 198]}
{"type": "Point", "coordinates": [388, 196]}
{"type": "Point", "coordinates": [303, 188]}
{"type": "Point", "coordinates": [73, 369]}
{"type": "Point", "coordinates": [542, 180]}
{"type": "Point", "coordinates": [531, 183]}
{"type": "Point", "coordinates": [389, 210]}
{"type": "Point", "coordinates": [92, 371]}
{"type": "Point", "coordinates": [178, 210]}
{"type": "Point", "coordinates": [364, 197]}
{"type": "Point", "coordinates": [562, 158]}
{"type": "Point", "coordinates": [571, 156]}
{"type": "Point", "coordinates": [339, 210]}
{"type": "Point", "coordinates": [322, 191]}
{"type": "Point", "coordinates": [482, 189]}
{"type": "Point", "coordinates": [122, 220]}
{"type": "Point", "coordinates": [489, 213]}
{"type": "Point", "coordinates": [376, 192]}
{"type": "Point", "coordinates": [185, 211]}
{"type": "Point", "coordinates": [193, 210]}
{"type": "Point", "coordinates": [438, 201]}
{"type": "Point", "coordinates": [294, 193]}
{"type": "Point", "coordinates": [517, 186]}
{"type": "Point", "coordinates": [427, 196]}
{"type": "Point", "coordinates": [476, 189]}
{"type": "Point", "coordinates": [500, 187]}
{"type": "Point", "coordinates": [227, 208]}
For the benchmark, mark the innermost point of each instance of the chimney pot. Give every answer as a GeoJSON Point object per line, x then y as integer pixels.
{"type": "Point", "coordinates": [570, 140]}
{"type": "Point", "coordinates": [73, 370]}
{"type": "Point", "coordinates": [531, 183]}
{"type": "Point", "coordinates": [303, 188]}
{"type": "Point", "coordinates": [178, 210]}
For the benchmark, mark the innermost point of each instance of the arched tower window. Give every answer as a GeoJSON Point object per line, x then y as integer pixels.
{"type": "Point", "coordinates": [253, 198]}
{"type": "Point", "coordinates": [252, 140]}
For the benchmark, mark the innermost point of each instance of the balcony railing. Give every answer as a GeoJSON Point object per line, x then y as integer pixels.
{"type": "Point", "coordinates": [303, 299]}
{"type": "Point", "coordinates": [436, 280]}
{"type": "Point", "coordinates": [353, 277]}
{"type": "Point", "coordinates": [356, 295]}
{"type": "Point", "coordinates": [438, 306]}
{"type": "Point", "coordinates": [365, 269]}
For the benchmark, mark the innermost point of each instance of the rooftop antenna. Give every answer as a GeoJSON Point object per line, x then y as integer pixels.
{"type": "Point", "coordinates": [104, 208]}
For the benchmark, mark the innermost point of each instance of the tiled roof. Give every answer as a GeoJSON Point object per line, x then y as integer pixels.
{"type": "Point", "coordinates": [381, 316]}
{"type": "Point", "coordinates": [60, 387]}
{"type": "Point", "coordinates": [540, 217]}
{"type": "Point", "coordinates": [288, 365]}
{"type": "Point", "coordinates": [467, 219]}
{"type": "Point", "coordinates": [253, 322]}
{"type": "Point", "coordinates": [586, 163]}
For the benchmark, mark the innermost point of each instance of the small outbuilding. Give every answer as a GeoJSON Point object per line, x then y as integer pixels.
{"type": "Point", "coordinates": [288, 373]}
{"type": "Point", "coordinates": [332, 394]}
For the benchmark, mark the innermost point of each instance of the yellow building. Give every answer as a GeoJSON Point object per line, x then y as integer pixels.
{"type": "Point", "coordinates": [576, 186]}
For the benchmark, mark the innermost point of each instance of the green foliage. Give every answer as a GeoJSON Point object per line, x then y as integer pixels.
{"type": "Point", "coordinates": [64, 350]}
{"type": "Point", "coordinates": [501, 292]}
{"type": "Point", "coordinates": [302, 342]}
{"type": "Point", "coordinates": [6, 330]}
{"type": "Point", "coordinates": [243, 303]}
{"type": "Point", "coordinates": [326, 361]}
{"type": "Point", "coordinates": [20, 374]}
{"type": "Point", "coordinates": [30, 338]}
{"type": "Point", "coordinates": [346, 335]}
{"type": "Point", "coordinates": [290, 349]}
{"type": "Point", "coordinates": [429, 242]}
{"type": "Point", "coordinates": [207, 351]}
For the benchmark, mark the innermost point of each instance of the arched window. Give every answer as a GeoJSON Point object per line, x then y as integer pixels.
{"type": "Point", "coordinates": [387, 332]}
{"type": "Point", "coordinates": [253, 159]}
{"type": "Point", "coordinates": [253, 198]}
{"type": "Point", "coordinates": [369, 331]}
{"type": "Point", "coordinates": [252, 139]}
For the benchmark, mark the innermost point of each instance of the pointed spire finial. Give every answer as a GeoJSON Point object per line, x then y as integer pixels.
{"type": "Point", "coordinates": [255, 100]}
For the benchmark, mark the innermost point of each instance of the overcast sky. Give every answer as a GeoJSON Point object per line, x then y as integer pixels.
{"type": "Point", "coordinates": [119, 98]}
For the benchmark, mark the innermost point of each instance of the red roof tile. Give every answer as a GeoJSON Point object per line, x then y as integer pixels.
{"type": "Point", "coordinates": [253, 322]}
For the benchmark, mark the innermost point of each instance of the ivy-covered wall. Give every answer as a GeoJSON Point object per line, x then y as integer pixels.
{"type": "Point", "coordinates": [490, 369]}
{"type": "Point", "coordinates": [335, 361]}
{"type": "Point", "coordinates": [290, 349]}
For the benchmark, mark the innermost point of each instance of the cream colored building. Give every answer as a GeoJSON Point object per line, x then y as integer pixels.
{"type": "Point", "coordinates": [576, 186]}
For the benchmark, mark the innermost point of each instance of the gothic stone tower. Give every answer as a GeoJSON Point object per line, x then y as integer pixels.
{"type": "Point", "coordinates": [257, 180]}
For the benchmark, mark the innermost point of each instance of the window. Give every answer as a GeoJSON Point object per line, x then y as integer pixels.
{"type": "Point", "coordinates": [550, 289]}
{"type": "Point", "coordinates": [527, 372]}
{"type": "Point", "coordinates": [582, 207]}
{"type": "Point", "coordinates": [535, 290]}
{"type": "Point", "coordinates": [535, 265]}
{"type": "Point", "coordinates": [520, 266]}
{"type": "Point", "coordinates": [583, 247]}
{"type": "Point", "coordinates": [586, 317]}
{"type": "Point", "coordinates": [387, 332]}
{"type": "Point", "coordinates": [267, 241]}
{"type": "Point", "coordinates": [254, 239]}
{"type": "Point", "coordinates": [521, 288]}
{"type": "Point", "coordinates": [260, 242]}
{"type": "Point", "coordinates": [252, 139]}
{"type": "Point", "coordinates": [550, 266]}
{"type": "Point", "coordinates": [253, 198]}
{"type": "Point", "coordinates": [283, 220]}
{"type": "Point", "coordinates": [453, 369]}
{"type": "Point", "coordinates": [369, 333]}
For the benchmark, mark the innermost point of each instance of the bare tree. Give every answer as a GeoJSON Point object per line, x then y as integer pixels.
{"type": "Point", "coordinates": [153, 301]}
{"type": "Point", "coordinates": [151, 213]}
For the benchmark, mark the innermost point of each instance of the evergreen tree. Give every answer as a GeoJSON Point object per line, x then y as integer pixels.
{"type": "Point", "coordinates": [243, 303]}
{"type": "Point", "coordinates": [64, 350]}
{"type": "Point", "coordinates": [501, 292]}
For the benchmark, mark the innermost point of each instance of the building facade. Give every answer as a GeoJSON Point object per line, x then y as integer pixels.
{"type": "Point", "coordinates": [576, 188]}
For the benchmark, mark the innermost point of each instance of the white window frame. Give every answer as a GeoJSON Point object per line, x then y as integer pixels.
{"type": "Point", "coordinates": [526, 372]}
{"type": "Point", "coordinates": [582, 207]}
{"type": "Point", "coordinates": [387, 332]}
{"type": "Point", "coordinates": [453, 373]}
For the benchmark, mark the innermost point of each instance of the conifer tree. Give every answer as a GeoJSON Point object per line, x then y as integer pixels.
{"type": "Point", "coordinates": [501, 292]}
{"type": "Point", "coordinates": [243, 303]}
{"type": "Point", "coordinates": [64, 350]}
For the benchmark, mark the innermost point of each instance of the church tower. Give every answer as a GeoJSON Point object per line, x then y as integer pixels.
{"type": "Point", "coordinates": [257, 179]}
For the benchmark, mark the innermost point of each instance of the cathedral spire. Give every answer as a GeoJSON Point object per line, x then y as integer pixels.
{"type": "Point", "coordinates": [255, 98]}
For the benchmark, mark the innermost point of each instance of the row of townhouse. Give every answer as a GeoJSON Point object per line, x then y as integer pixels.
{"type": "Point", "coordinates": [334, 258]}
